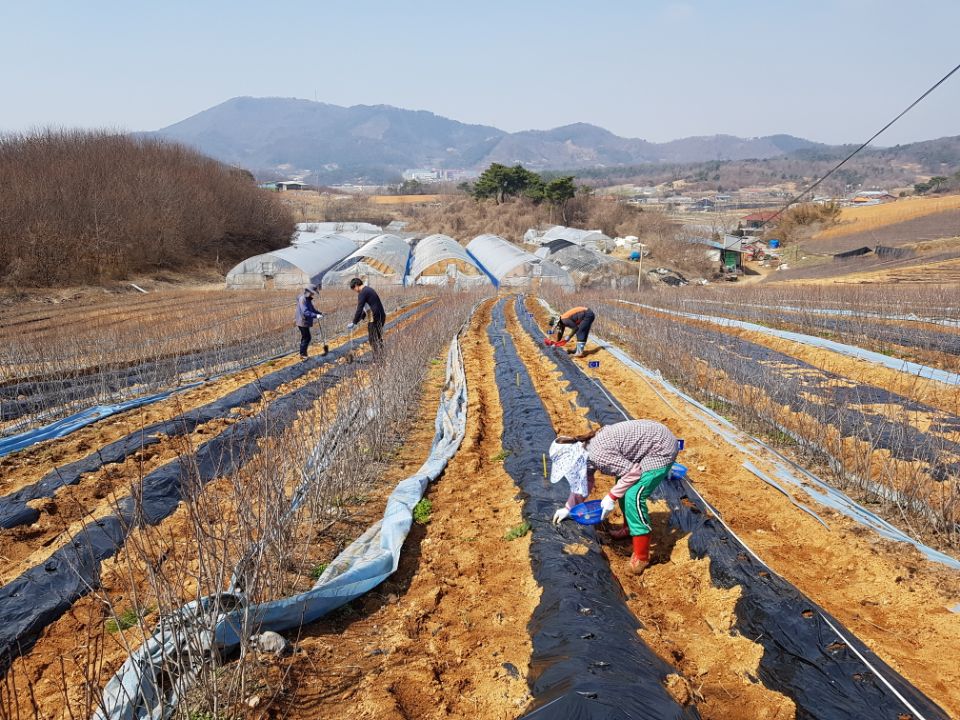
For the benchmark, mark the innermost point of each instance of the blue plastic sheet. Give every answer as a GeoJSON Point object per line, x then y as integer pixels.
{"type": "Point", "coordinates": [143, 688]}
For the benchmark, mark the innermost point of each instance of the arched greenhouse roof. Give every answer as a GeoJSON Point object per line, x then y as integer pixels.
{"type": "Point", "coordinates": [384, 255]}
{"type": "Point", "coordinates": [296, 264]}
{"type": "Point", "coordinates": [434, 249]}
{"type": "Point", "coordinates": [508, 264]}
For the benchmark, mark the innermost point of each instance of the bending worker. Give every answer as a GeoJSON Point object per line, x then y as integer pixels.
{"type": "Point", "coordinates": [376, 317]}
{"type": "Point", "coordinates": [638, 453]}
{"type": "Point", "coordinates": [306, 314]}
{"type": "Point", "coordinates": [579, 320]}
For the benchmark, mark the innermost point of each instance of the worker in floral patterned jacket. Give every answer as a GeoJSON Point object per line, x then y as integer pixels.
{"type": "Point", "coordinates": [639, 454]}
{"type": "Point", "coordinates": [579, 320]}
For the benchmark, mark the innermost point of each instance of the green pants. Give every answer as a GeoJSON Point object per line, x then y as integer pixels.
{"type": "Point", "coordinates": [633, 504]}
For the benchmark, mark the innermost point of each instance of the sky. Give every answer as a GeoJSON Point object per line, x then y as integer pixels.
{"type": "Point", "coordinates": [833, 71]}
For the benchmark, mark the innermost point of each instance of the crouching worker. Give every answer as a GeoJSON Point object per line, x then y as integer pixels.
{"type": "Point", "coordinates": [579, 320]}
{"type": "Point", "coordinates": [306, 314]}
{"type": "Point", "coordinates": [639, 454]}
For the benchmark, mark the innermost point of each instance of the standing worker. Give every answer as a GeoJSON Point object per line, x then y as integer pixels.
{"type": "Point", "coordinates": [306, 314]}
{"type": "Point", "coordinates": [376, 317]}
{"type": "Point", "coordinates": [639, 454]}
{"type": "Point", "coordinates": [579, 320]}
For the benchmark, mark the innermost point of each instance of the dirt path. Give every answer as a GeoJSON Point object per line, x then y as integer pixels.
{"type": "Point", "coordinates": [887, 593]}
{"type": "Point", "coordinates": [447, 636]}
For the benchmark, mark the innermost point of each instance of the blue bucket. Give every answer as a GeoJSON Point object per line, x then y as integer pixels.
{"type": "Point", "coordinates": [774, 243]}
{"type": "Point", "coordinates": [678, 471]}
{"type": "Point", "coordinates": [587, 513]}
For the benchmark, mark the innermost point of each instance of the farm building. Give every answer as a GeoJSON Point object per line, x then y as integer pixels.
{"type": "Point", "coordinates": [382, 260]}
{"type": "Point", "coordinates": [587, 267]}
{"type": "Point", "coordinates": [728, 252]}
{"type": "Point", "coordinates": [441, 260]}
{"type": "Point", "coordinates": [506, 264]}
{"type": "Point", "coordinates": [755, 221]}
{"type": "Point", "coordinates": [302, 264]}
{"type": "Point", "coordinates": [593, 239]}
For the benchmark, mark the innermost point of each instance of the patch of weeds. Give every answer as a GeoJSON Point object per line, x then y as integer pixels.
{"type": "Point", "coordinates": [782, 438]}
{"type": "Point", "coordinates": [201, 715]}
{"type": "Point", "coordinates": [718, 406]}
{"type": "Point", "coordinates": [317, 570]}
{"type": "Point", "coordinates": [125, 620]}
{"type": "Point", "coordinates": [500, 456]}
{"type": "Point", "coordinates": [471, 539]}
{"type": "Point", "coordinates": [421, 512]}
{"type": "Point", "coordinates": [517, 532]}
{"type": "Point", "coordinates": [435, 361]}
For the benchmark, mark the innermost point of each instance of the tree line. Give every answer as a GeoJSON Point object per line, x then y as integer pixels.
{"type": "Point", "coordinates": [81, 207]}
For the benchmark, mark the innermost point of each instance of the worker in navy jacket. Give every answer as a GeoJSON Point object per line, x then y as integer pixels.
{"type": "Point", "coordinates": [306, 314]}
{"type": "Point", "coordinates": [368, 301]}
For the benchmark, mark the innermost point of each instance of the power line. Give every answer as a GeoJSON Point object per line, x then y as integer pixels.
{"type": "Point", "coordinates": [874, 137]}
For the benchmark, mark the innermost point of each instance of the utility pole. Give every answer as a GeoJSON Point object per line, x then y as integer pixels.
{"type": "Point", "coordinates": [640, 268]}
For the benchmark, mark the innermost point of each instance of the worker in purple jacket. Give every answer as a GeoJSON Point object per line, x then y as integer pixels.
{"type": "Point", "coordinates": [306, 314]}
{"type": "Point", "coordinates": [369, 302]}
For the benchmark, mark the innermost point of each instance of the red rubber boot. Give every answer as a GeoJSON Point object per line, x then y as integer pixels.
{"type": "Point", "coordinates": [641, 553]}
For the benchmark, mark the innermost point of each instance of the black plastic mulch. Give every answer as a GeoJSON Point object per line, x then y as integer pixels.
{"type": "Point", "coordinates": [803, 657]}
{"type": "Point", "coordinates": [588, 661]}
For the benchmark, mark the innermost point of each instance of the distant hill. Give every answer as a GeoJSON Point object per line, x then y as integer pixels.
{"type": "Point", "coordinates": [285, 134]}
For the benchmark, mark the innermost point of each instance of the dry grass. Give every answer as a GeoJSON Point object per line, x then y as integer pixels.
{"type": "Point", "coordinates": [859, 219]}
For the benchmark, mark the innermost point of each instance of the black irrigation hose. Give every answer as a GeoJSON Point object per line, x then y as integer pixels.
{"type": "Point", "coordinates": [804, 657]}
{"type": "Point", "coordinates": [42, 594]}
{"type": "Point", "coordinates": [588, 661]}
{"type": "Point", "coordinates": [14, 508]}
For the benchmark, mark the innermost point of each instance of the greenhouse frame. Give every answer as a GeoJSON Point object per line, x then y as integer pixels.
{"type": "Point", "coordinates": [592, 239]}
{"type": "Point", "coordinates": [441, 260]}
{"type": "Point", "coordinates": [511, 266]}
{"type": "Point", "coordinates": [383, 259]}
{"type": "Point", "coordinates": [297, 265]}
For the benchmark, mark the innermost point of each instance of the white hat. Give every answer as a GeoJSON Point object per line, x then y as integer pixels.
{"type": "Point", "coordinates": [569, 460]}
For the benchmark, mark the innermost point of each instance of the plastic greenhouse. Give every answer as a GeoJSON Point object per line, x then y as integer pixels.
{"type": "Point", "coordinates": [441, 260]}
{"type": "Point", "coordinates": [382, 260]}
{"type": "Point", "coordinates": [586, 266]}
{"type": "Point", "coordinates": [592, 239]}
{"type": "Point", "coordinates": [302, 264]}
{"type": "Point", "coordinates": [360, 233]}
{"type": "Point", "coordinates": [511, 266]}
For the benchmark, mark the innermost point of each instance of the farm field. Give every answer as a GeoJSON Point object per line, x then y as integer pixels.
{"type": "Point", "coordinates": [773, 592]}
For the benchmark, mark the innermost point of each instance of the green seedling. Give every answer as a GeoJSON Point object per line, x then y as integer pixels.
{"type": "Point", "coordinates": [125, 620]}
{"type": "Point", "coordinates": [517, 532]}
{"type": "Point", "coordinates": [317, 570]}
{"type": "Point", "coordinates": [421, 512]}
{"type": "Point", "coordinates": [500, 456]}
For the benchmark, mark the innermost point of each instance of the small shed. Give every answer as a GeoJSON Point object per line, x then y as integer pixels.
{"type": "Point", "coordinates": [727, 252]}
{"type": "Point", "coordinates": [290, 185]}
{"type": "Point", "coordinates": [592, 239]}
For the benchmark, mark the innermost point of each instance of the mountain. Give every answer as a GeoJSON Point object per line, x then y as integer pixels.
{"type": "Point", "coordinates": [287, 135]}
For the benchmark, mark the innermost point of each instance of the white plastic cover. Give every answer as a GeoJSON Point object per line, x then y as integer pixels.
{"type": "Point", "coordinates": [294, 265]}
{"type": "Point", "coordinates": [158, 674]}
{"type": "Point", "coordinates": [384, 257]}
{"type": "Point", "coordinates": [435, 249]}
{"type": "Point", "coordinates": [510, 265]}
{"type": "Point", "coordinates": [594, 239]}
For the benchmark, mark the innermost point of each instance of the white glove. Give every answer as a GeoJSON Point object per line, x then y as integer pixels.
{"type": "Point", "coordinates": [319, 316]}
{"type": "Point", "coordinates": [560, 515]}
{"type": "Point", "coordinates": [606, 506]}
{"type": "Point", "coordinates": [350, 326]}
